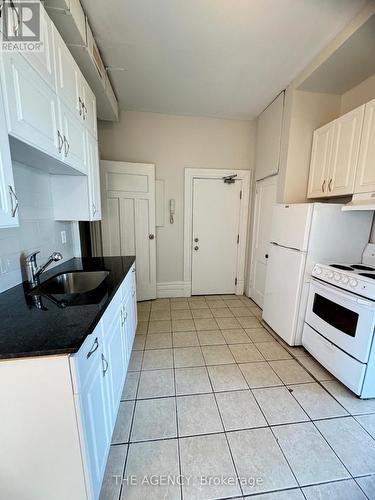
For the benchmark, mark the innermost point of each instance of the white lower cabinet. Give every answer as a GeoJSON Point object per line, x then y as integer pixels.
{"type": "Point", "coordinates": [99, 387]}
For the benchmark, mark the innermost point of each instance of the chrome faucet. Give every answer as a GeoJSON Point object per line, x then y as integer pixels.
{"type": "Point", "coordinates": [33, 271]}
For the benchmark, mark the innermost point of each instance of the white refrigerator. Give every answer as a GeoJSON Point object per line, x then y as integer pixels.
{"type": "Point", "coordinates": [302, 235]}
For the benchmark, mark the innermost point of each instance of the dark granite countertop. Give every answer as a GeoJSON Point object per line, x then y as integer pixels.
{"type": "Point", "coordinates": [26, 330]}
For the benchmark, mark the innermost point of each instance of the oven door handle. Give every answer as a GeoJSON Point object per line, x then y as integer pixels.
{"type": "Point", "coordinates": [347, 296]}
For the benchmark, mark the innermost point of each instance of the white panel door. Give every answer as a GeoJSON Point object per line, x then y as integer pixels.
{"type": "Point", "coordinates": [365, 178]}
{"type": "Point", "coordinates": [345, 151]}
{"type": "Point", "coordinates": [128, 218]}
{"type": "Point", "coordinates": [285, 274]}
{"type": "Point", "coordinates": [216, 222]}
{"type": "Point", "coordinates": [265, 199]}
{"type": "Point", "coordinates": [319, 164]}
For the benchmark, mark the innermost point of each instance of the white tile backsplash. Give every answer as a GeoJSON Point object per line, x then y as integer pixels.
{"type": "Point", "coordinates": [37, 230]}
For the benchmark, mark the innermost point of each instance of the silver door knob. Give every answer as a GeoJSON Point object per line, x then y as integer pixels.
{"type": "Point", "coordinates": [151, 236]}
{"type": "Point", "coordinates": [196, 248]}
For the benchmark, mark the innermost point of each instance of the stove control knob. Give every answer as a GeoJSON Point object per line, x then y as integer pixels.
{"type": "Point", "coordinates": [330, 274]}
{"type": "Point", "coordinates": [353, 283]}
{"type": "Point", "coordinates": [318, 270]}
{"type": "Point", "coordinates": [345, 280]}
{"type": "Point", "coordinates": [337, 276]}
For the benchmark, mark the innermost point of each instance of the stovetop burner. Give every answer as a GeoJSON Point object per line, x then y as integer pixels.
{"type": "Point", "coordinates": [343, 268]}
{"type": "Point", "coordinates": [372, 276]}
{"type": "Point", "coordinates": [361, 267]}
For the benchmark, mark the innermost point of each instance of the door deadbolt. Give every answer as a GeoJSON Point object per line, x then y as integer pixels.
{"type": "Point", "coordinates": [266, 256]}
{"type": "Point", "coordinates": [196, 248]}
{"type": "Point", "coordinates": [151, 236]}
{"type": "Point", "coordinates": [196, 240]}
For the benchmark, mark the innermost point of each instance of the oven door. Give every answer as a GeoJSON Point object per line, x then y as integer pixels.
{"type": "Point", "coordinates": [341, 317]}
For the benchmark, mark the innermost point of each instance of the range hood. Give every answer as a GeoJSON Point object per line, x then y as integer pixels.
{"type": "Point", "coordinates": [361, 201]}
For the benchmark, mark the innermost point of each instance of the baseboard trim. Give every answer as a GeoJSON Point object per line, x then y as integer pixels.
{"type": "Point", "coordinates": [173, 289]}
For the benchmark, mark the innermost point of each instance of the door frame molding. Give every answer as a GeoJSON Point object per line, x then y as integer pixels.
{"type": "Point", "coordinates": [210, 173]}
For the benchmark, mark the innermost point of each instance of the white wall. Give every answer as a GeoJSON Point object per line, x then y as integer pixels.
{"type": "Point", "coordinates": [37, 229]}
{"type": "Point", "coordinates": [358, 95]}
{"type": "Point", "coordinates": [174, 143]}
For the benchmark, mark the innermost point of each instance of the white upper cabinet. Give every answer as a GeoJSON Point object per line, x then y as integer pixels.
{"type": "Point", "coordinates": [345, 150]}
{"type": "Point", "coordinates": [269, 128]}
{"type": "Point", "coordinates": [8, 198]}
{"type": "Point", "coordinates": [68, 74]}
{"type": "Point", "coordinates": [74, 139]}
{"type": "Point", "coordinates": [334, 156]}
{"type": "Point", "coordinates": [365, 178]}
{"type": "Point", "coordinates": [31, 106]}
{"type": "Point", "coordinates": [320, 156]}
{"type": "Point", "coordinates": [44, 61]}
{"type": "Point", "coordinates": [94, 178]}
{"type": "Point", "coordinates": [88, 104]}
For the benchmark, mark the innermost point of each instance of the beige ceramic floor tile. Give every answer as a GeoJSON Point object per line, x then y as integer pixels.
{"type": "Point", "coordinates": [183, 325]}
{"type": "Point", "coordinates": [279, 406]}
{"type": "Point", "coordinates": [154, 419]}
{"type": "Point", "coordinates": [130, 387]}
{"type": "Point", "coordinates": [198, 414]}
{"type": "Point", "coordinates": [291, 372]}
{"type": "Point", "coordinates": [245, 353]}
{"type": "Point", "coordinates": [226, 378]}
{"type": "Point", "coordinates": [159, 341]}
{"type": "Point", "coordinates": [123, 423]}
{"type": "Point", "coordinates": [157, 359]}
{"type": "Point", "coordinates": [159, 326]}
{"type": "Point", "coordinates": [211, 337]}
{"type": "Point", "coordinates": [147, 460]}
{"type": "Point", "coordinates": [317, 402]}
{"type": "Point", "coordinates": [185, 339]}
{"type": "Point", "coordinates": [185, 357]}
{"type": "Point", "coordinates": [206, 324]}
{"type": "Point", "coordinates": [236, 336]}
{"type": "Point", "coordinates": [259, 335]}
{"type": "Point", "coordinates": [239, 410]}
{"type": "Point", "coordinates": [348, 400]}
{"type": "Point", "coordinates": [257, 455]}
{"type": "Point", "coordinates": [272, 351]}
{"type": "Point", "coordinates": [207, 456]}
{"type": "Point", "coordinates": [111, 485]}
{"type": "Point", "coordinates": [339, 490]}
{"type": "Point", "coordinates": [259, 375]}
{"type": "Point", "coordinates": [217, 355]}
{"type": "Point", "coordinates": [192, 381]}
{"type": "Point", "coordinates": [156, 384]}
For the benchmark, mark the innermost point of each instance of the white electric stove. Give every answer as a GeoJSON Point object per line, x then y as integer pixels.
{"type": "Point", "coordinates": [340, 321]}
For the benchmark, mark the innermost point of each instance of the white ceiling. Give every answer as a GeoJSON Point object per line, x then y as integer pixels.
{"type": "Point", "coordinates": [223, 58]}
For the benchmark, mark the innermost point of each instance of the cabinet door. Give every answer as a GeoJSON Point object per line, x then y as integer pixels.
{"type": "Point", "coordinates": [345, 151]}
{"type": "Point", "coordinates": [365, 178]}
{"type": "Point", "coordinates": [74, 137]}
{"type": "Point", "coordinates": [68, 76]}
{"type": "Point", "coordinates": [31, 106]}
{"type": "Point", "coordinates": [89, 108]}
{"type": "Point", "coordinates": [43, 62]}
{"type": "Point", "coordinates": [320, 157]}
{"type": "Point", "coordinates": [114, 356]}
{"type": "Point", "coordinates": [93, 402]}
{"type": "Point", "coordinates": [8, 199]}
{"type": "Point", "coordinates": [94, 178]}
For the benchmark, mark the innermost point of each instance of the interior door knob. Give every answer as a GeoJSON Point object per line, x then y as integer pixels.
{"type": "Point", "coordinates": [151, 236]}
{"type": "Point", "coordinates": [196, 248]}
{"type": "Point", "coordinates": [266, 256]}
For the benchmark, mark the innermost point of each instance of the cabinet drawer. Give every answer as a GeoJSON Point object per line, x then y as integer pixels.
{"type": "Point", "coordinates": [87, 358]}
{"type": "Point", "coordinates": [350, 371]}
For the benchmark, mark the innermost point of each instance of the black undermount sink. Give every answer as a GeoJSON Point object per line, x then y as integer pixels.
{"type": "Point", "coordinates": [71, 283]}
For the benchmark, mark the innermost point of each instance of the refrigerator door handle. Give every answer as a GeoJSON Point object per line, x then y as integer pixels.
{"type": "Point", "coordinates": [288, 248]}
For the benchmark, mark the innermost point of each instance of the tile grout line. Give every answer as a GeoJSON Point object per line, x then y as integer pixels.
{"type": "Point", "coordinates": [177, 428]}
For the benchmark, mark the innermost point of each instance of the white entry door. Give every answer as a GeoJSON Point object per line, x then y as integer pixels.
{"type": "Point", "coordinates": [216, 223]}
{"type": "Point", "coordinates": [128, 221]}
{"type": "Point", "coordinates": [265, 198]}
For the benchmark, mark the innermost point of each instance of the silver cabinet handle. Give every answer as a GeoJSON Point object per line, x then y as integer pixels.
{"type": "Point", "coordinates": [61, 141]}
{"type": "Point", "coordinates": [13, 201]}
{"type": "Point", "coordinates": [196, 248]}
{"type": "Point", "coordinates": [105, 365]}
{"type": "Point", "coordinates": [330, 185]}
{"type": "Point", "coordinates": [80, 106]}
{"type": "Point", "coordinates": [66, 146]}
{"type": "Point", "coordinates": [133, 271]}
{"type": "Point", "coordinates": [93, 348]}
{"type": "Point", "coordinates": [93, 209]}
{"type": "Point", "coordinates": [323, 186]}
